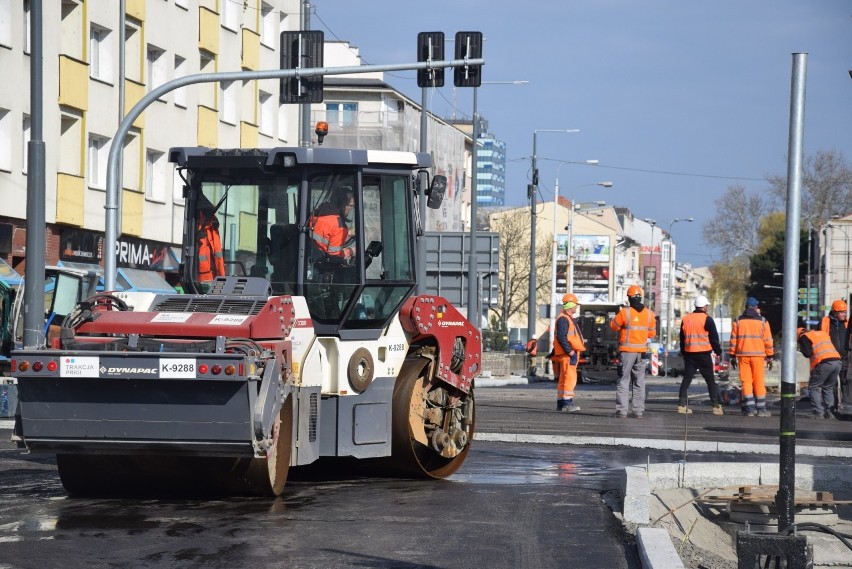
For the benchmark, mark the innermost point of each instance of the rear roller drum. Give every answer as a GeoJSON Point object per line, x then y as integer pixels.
{"type": "Point", "coordinates": [433, 424]}
{"type": "Point", "coordinates": [267, 476]}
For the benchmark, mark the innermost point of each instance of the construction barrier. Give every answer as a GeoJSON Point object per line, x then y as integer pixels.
{"type": "Point", "coordinates": [655, 364]}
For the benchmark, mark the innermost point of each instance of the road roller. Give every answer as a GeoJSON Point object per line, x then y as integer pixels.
{"type": "Point", "coordinates": [295, 336]}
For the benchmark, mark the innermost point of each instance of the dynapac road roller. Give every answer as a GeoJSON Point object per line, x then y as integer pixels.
{"type": "Point", "coordinates": [298, 339]}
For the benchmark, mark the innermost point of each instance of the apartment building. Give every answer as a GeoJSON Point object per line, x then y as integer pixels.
{"type": "Point", "coordinates": [162, 40]}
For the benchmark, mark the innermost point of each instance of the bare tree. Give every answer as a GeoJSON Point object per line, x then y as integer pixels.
{"type": "Point", "coordinates": [826, 187]}
{"type": "Point", "coordinates": [734, 228]}
{"type": "Point", "coordinates": [513, 227]}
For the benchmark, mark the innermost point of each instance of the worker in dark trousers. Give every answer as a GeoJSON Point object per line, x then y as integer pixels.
{"type": "Point", "coordinates": [835, 326]}
{"type": "Point", "coordinates": [825, 366]}
{"type": "Point", "coordinates": [698, 339]}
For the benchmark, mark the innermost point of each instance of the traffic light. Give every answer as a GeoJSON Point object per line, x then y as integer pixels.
{"type": "Point", "coordinates": [301, 50]}
{"type": "Point", "coordinates": [430, 47]}
{"type": "Point", "coordinates": [468, 45]}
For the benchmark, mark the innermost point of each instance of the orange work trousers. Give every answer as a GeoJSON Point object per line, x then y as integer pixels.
{"type": "Point", "coordinates": [752, 374]}
{"type": "Point", "coordinates": [567, 377]}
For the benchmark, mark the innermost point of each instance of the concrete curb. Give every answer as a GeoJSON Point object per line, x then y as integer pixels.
{"type": "Point", "coordinates": [657, 550]}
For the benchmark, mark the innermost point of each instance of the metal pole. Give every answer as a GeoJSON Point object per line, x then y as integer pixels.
{"type": "Point", "coordinates": [34, 270]}
{"type": "Point", "coordinates": [808, 282]}
{"type": "Point", "coordinates": [121, 92]}
{"type": "Point", "coordinates": [421, 198]}
{"type": "Point", "coordinates": [785, 499]}
{"type": "Point", "coordinates": [472, 259]}
{"type": "Point", "coordinates": [305, 107]}
{"type": "Point", "coordinates": [533, 189]}
{"type": "Point", "coordinates": [554, 299]}
{"type": "Point", "coordinates": [169, 86]}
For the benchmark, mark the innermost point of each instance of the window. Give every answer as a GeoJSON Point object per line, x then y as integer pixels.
{"type": "Point", "coordinates": [155, 175]}
{"type": "Point", "coordinates": [6, 140]}
{"type": "Point", "coordinates": [207, 92]}
{"type": "Point", "coordinates": [6, 23]}
{"type": "Point", "coordinates": [265, 115]}
{"type": "Point", "coordinates": [156, 67]}
{"type": "Point", "coordinates": [268, 25]}
{"type": "Point", "coordinates": [70, 144]}
{"type": "Point", "coordinates": [180, 71]}
{"type": "Point", "coordinates": [26, 26]}
{"type": "Point", "coordinates": [72, 30]}
{"type": "Point", "coordinates": [177, 186]}
{"type": "Point", "coordinates": [100, 53]}
{"type": "Point", "coordinates": [228, 111]}
{"type": "Point", "coordinates": [342, 114]}
{"type": "Point", "coordinates": [98, 158]}
{"type": "Point", "coordinates": [27, 136]}
{"type": "Point", "coordinates": [132, 52]}
{"type": "Point", "coordinates": [182, 4]}
{"type": "Point", "coordinates": [282, 123]}
{"type": "Point", "coordinates": [230, 14]}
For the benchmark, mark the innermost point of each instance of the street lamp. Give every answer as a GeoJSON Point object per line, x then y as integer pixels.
{"type": "Point", "coordinates": [670, 305]}
{"type": "Point", "coordinates": [532, 189]}
{"type": "Point", "coordinates": [474, 314]}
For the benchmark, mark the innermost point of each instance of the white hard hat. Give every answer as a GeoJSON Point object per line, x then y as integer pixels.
{"type": "Point", "coordinates": [701, 301]}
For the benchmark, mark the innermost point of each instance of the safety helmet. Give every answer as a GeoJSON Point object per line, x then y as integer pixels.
{"type": "Point", "coordinates": [570, 298]}
{"type": "Point", "coordinates": [838, 306]}
{"type": "Point", "coordinates": [701, 301]}
{"type": "Point", "coordinates": [634, 290]}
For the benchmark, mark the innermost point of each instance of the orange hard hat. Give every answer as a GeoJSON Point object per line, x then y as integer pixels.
{"type": "Point", "coordinates": [838, 306]}
{"type": "Point", "coordinates": [634, 290]}
{"type": "Point", "coordinates": [570, 298]}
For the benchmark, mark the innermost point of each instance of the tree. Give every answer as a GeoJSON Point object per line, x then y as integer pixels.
{"type": "Point", "coordinates": [734, 228]}
{"type": "Point", "coordinates": [730, 282]}
{"type": "Point", "coordinates": [513, 227]}
{"type": "Point", "coordinates": [826, 187]}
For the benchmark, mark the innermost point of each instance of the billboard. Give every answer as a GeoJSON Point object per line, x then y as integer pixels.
{"type": "Point", "coordinates": [592, 269]}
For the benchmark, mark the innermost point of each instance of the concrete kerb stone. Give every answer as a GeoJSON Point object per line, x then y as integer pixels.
{"type": "Point", "coordinates": [657, 550]}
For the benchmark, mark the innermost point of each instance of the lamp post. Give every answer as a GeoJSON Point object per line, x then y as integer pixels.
{"type": "Point", "coordinates": [474, 314]}
{"type": "Point", "coordinates": [532, 189]}
{"type": "Point", "coordinates": [670, 305]}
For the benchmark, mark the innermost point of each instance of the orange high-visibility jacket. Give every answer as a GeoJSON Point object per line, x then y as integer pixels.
{"type": "Point", "coordinates": [751, 337]}
{"type": "Point", "coordinates": [211, 264]}
{"type": "Point", "coordinates": [574, 337]}
{"type": "Point", "coordinates": [636, 329]}
{"type": "Point", "coordinates": [329, 232]}
{"type": "Point", "coordinates": [823, 348]}
{"type": "Point", "coordinates": [696, 338]}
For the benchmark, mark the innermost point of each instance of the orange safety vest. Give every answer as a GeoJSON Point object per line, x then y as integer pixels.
{"type": "Point", "coordinates": [636, 329]}
{"type": "Point", "coordinates": [696, 338]}
{"type": "Point", "coordinates": [751, 337]}
{"type": "Point", "coordinates": [329, 232]}
{"type": "Point", "coordinates": [574, 337]}
{"type": "Point", "coordinates": [211, 264]}
{"type": "Point", "coordinates": [532, 347]}
{"type": "Point", "coordinates": [823, 347]}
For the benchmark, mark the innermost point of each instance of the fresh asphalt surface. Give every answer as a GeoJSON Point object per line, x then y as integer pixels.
{"type": "Point", "coordinates": [534, 492]}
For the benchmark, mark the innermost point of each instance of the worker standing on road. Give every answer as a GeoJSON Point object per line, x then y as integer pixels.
{"type": "Point", "coordinates": [835, 326]}
{"type": "Point", "coordinates": [825, 366]}
{"type": "Point", "coordinates": [752, 351]}
{"type": "Point", "coordinates": [698, 338]}
{"type": "Point", "coordinates": [567, 347]}
{"type": "Point", "coordinates": [636, 325]}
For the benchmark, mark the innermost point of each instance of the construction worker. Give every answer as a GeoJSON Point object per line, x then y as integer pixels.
{"type": "Point", "coordinates": [825, 366]}
{"type": "Point", "coordinates": [328, 226]}
{"type": "Point", "coordinates": [531, 351]}
{"type": "Point", "coordinates": [211, 264]}
{"type": "Point", "coordinates": [835, 325]}
{"type": "Point", "coordinates": [698, 338]}
{"type": "Point", "coordinates": [752, 351]}
{"type": "Point", "coordinates": [636, 325]}
{"type": "Point", "coordinates": [567, 346]}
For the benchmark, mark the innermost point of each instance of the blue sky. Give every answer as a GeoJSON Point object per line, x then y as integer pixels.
{"type": "Point", "coordinates": [677, 100]}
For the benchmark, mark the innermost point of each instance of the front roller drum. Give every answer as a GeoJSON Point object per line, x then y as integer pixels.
{"type": "Point", "coordinates": [433, 424]}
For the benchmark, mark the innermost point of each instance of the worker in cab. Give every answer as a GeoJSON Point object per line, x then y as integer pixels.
{"type": "Point", "coordinates": [567, 346]}
{"type": "Point", "coordinates": [835, 324]}
{"type": "Point", "coordinates": [825, 367]}
{"type": "Point", "coordinates": [636, 325]}
{"type": "Point", "coordinates": [211, 263]}
{"type": "Point", "coordinates": [698, 340]}
{"type": "Point", "coordinates": [330, 232]}
{"type": "Point", "coordinates": [751, 352]}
